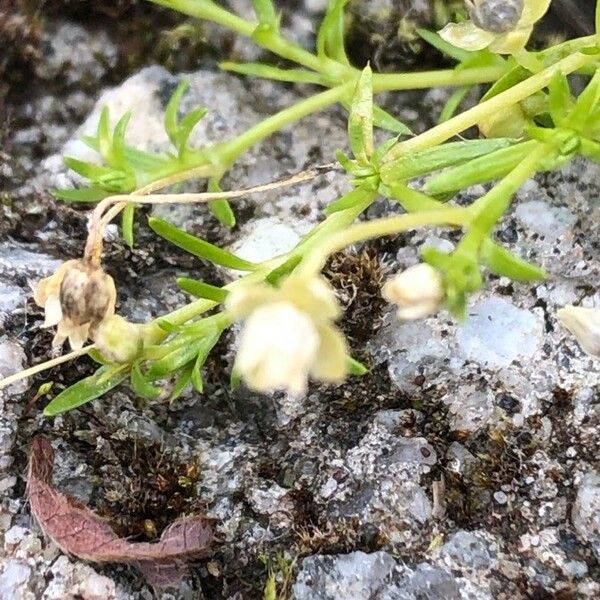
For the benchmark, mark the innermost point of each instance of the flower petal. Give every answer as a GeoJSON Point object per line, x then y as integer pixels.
{"type": "Point", "coordinates": [533, 11]}
{"type": "Point", "coordinates": [512, 41]}
{"type": "Point", "coordinates": [52, 311]}
{"type": "Point", "coordinates": [584, 324]}
{"type": "Point", "coordinates": [243, 301]}
{"type": "Point", "coordinates": [330, 362]}
{"type": "Point", "coordinates": [277, 347]}
{"type": "Point", "coordinates": [467, 36]}
{"type": "Point", "coordinates": [78, 336]}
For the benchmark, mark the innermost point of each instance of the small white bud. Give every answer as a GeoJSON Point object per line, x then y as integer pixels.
{"type": "Point", "coordinates": [584, 324]}
{"type": "Point", "coordinates": [278, 347]}
{"type": "Point", "coordinates": [417, 292]}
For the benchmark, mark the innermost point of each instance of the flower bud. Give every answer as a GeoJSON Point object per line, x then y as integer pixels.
{"type": "Point", "coordinates": [417, 291]}
{"type": "Point", "coordinates": [118, 340]}
{"type": "Point", "coordinates": [584, 324]}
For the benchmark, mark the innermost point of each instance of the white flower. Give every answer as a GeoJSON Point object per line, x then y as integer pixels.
{"type": "Point", "coordinates": [76, 298]}
{"type": "Point", "coordinates": [584, 324]}
{"type": "Point", "coordinates": [417, 291]}
{"type": "Point", "coordinates": [288, 335]}
{"type": "Point", "coordinates": [469, 36]}
{"type": "Point", "coordinates": [278, 347]}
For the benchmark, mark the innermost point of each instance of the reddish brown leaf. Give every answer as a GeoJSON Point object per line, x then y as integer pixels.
{"type": "Point", "coordinates": [77, 530]}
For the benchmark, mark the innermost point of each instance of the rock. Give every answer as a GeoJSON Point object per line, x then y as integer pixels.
{"type": "Point", "coordinates": [12, 360]}
{"type": "Point", "coordinates": [498, 333]}
{"type": "Point", "coordinates": [471, 409]}
{"type": "Point", "coordinates": [550, 221]}
{"type": "Point", "coordinates": [357, 575]}
{"type": "Point", "coordinates": [469, 549]}
{"type": "Point", "coordinates": [78, 55]}
{"type": "Point", "coordinates": [586, 511]}
{"type": "Point", "coordinates": [13, 580]}
{"type": "Point", "coordinates": [411, 349]}
{"type": "Point", "coordinates": [266, 238]}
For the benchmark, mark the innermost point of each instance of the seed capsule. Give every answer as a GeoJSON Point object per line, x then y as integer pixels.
{"type": "Point", "coordinates": [496, 16]}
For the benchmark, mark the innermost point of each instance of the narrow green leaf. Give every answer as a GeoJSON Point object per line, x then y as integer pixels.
{"type": "Point", "coordinates": [141, 386]}
{"type": "Point", "coordinates": [411, 200]}
{"type": "Point", "coordinates": [433, 39]}
{"type": "Point", "coordinates": [127, 224]}
{"type": "Point", "coordinates": [166, 325]}
{"type": "Point", "coordinates": [276, 275]}
{"type": "Point", "coordinates": [182, 381]}
{"type": "Point", "coordinates": [85, 390]}
{"type": "Point", "coordinates": [349, 200]}
{"type": "Point", "coordinates": [91, 194]}
{"type": "Point", "coordinates": [186, 126]}
{"type": "Point", "coordinates": [559, 98]}
{"type": "Point", "coordinates": [266, 13]}
{"type": "Point", "coordinates": [199, 247]}
{"type": "Point", "coordinates": [87, 169]}
{"type": "Point", "coordinates": [221, 209]}
{"type": "Point", "coordinates": [453, 103]}
{"type": "Point", "coordinates": [506, 264]}
{"type": "Point", "coordinates": [360, 120]}
{"type": "Point", "coordinates": [117, 156]}
{"type": "Point", "coordinates": [202, 290]}
{"type": "Point", "coordinates": [384, 120]}
{"type": "Point", "coordinates": [330, 37]}
{"type": "Point", "coordinates": [585, 104]}
{"type": "Point", "coordinates": [438, 157]}
{"type": "Point", "coordinates": [103, 136]}
{"type": "Point", "coordinates": [273, 73]}
{"type": "Point", "coordinates": [355, 367]}
{"type": "Point", "coordinates": [597, 20]}
{"type": "Point", "coordinates": [174, 360]}
{"type": "Point", "coordinates": [196, 378]}
{"type": "Point", "coordinates": [514, 76]}
{"type": "Point", "coordinates": [172, 111]}
{"type": "Point", "coordinates": [483, 169]}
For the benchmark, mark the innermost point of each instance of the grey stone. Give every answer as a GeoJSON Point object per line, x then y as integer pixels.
{"type": "Point", "coordinates": [497, 333]}
{"type": "Point", "coordinates": [357, 575]}
{"type": "Point", "coordinates": [470, 549]}
{"type": "Point", "coordinates": [549, 221]}
{"type": "Point", "coordinates": [586, 511]}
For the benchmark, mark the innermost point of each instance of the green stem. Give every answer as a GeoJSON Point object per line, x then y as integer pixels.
{"type": "Point", "coordinates": [332, 224]}
{"type": "Point", "coordinates": [381, 227]}
{"type": "Point", "coordinates": [272, 41]}
{"type": "Point", "coordinates": [227, 152]}
{"type": "Point", "coordinates": [488, 209]}
{"type": "Point", "coordinates": [386, 82]}
{"type": "Point", "coordinates": [444, 131]}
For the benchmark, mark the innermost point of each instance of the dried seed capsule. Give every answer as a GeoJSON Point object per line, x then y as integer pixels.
{"type": "Point", "coordinates": [77, 297]}
{"type": "Point", "coordinates": [496, 16]}
{"type": "Point", "coordinates": [87, 294]}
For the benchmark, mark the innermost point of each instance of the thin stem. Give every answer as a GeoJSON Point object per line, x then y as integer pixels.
{"type": "Point", "coordinates": [381, 227]}
{"type": "Point", "coordinates": [386, 82]}
{"type": "Point", "coordinates": [122, 200]}
{"type": "Point", "coordinates": [332, 224]}
{"type": "Point", "coordinates": [444, 131]}
{"type": "Point", "coordinates": [229, 151]}
{"type": "Point", "coordinates": [488, 209]}
{"type": "Point", "coordinates": [272, 41]}
{"type": "Point", "coordinates": [44, 366]}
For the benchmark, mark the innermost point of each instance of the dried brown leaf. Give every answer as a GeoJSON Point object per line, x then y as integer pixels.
{"type": "Point", "coordinates": [77, 530]}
